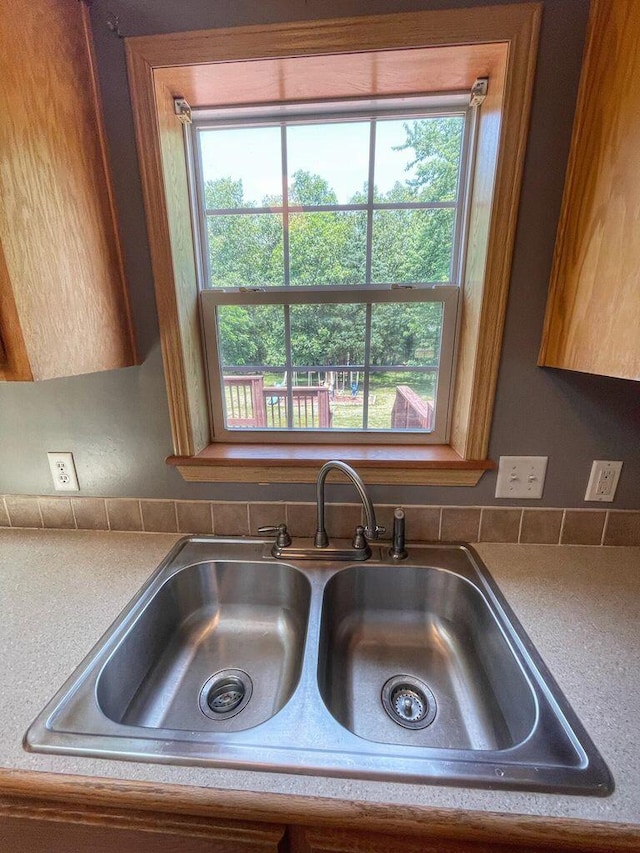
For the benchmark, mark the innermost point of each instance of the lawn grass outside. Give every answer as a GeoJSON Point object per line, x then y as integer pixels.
{"type": "Point", "coordinates": [347, 411]}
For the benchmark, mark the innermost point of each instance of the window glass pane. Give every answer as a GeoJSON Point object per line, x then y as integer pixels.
{"type": "Point", "coordinates": [418, 160]}
{"type": "Point", "coordinates": [327, 248]}
{"type": "Point", "coordinates": [327, 335]}
{"type": "Point", "coordinates": [276, 400]}
{"type": "Point", "coordinates": [330, 337]}
{"type": "Point", "coordinates": [328, 163]}
{"type": "Point", "coordinates": [254, 401]}
{"type": "Point", "coordinates": [402, 400]}
{"type": "Point", "coordinates": [242, 167]}
{"type": "Point", "coordinates": [245, 250]}
{"type": "Point", "coordinates": [412, 245]}
{"type": "Point", "coordinates": [251, 343]}
{"type": "Point", "coordinates": [251, 336]}
{"type": "Point", "coordinates": [406, 333]}
{"type": "Point", "coordinates": [346, 392]}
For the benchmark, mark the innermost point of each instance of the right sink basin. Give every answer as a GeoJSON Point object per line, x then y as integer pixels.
{"type": "Point", "coordinates": [414, 656]}
{"type": "Point", "coordinates": [425, 660]}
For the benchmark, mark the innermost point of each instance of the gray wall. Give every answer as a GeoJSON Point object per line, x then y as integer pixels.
{"type": "Point", "coordinates": [117, 423]}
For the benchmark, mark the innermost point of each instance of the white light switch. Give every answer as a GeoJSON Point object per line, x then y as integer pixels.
{"type": "Point", "coordinates": [521, 476]}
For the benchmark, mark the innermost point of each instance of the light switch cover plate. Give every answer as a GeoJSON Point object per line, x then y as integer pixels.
{"type": "Point", "coordinates": [521, 476]}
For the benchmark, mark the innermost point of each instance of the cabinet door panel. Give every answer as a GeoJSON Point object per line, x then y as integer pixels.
{"type": "Point", "coordinates": [593, 312]}
{"type": "Point", "coordinates": [27, 835]}
{"type": "Point", "coordinates": [64, 305]}
{"type": "Point", "coordinates": [306, 840]}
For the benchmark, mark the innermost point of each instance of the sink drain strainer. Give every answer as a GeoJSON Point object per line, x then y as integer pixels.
{"type": "Point", "coordinates": [225, 694]}
{"type": "Point", "coordinates": [409, 702]}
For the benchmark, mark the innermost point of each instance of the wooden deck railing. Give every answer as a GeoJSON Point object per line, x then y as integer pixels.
{"type": "Point", "coordinates": [410, 411]}
{"type": "Point", "coordinates": [251, 404]}
{"type": "Point", "coordinates": [245, 401]}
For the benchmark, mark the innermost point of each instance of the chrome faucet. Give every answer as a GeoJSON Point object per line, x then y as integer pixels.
{"type": "Point", "coordinates": [371, 531]}
{"type": "Point", "coordinates": [321, 549]}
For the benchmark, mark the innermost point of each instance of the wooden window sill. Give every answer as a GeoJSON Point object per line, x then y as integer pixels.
{"type": "Point", "coordinates": [433, 465]}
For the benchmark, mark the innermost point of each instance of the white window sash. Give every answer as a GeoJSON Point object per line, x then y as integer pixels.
{"type": "Point", "coordinates": [448, 295]}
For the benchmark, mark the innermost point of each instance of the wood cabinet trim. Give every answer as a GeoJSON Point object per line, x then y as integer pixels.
{"type": "Point", "coordinates": [185, 825]}
{"type": "Point", "coordinates": [218, 804]}
{"type": "Point", "coordinates": [106, 166]}
{"type": "Point", "coordinates": [14, 363]}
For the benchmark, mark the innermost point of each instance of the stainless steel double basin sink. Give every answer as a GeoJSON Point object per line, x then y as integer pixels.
{"type": "Point", "coordinates": [416, 671]}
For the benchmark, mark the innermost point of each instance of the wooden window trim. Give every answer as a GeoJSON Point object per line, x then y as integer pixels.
{"type": "Point", "coordinates": [415, 465]}
{"type": "Point", "coordinates": [450, 49]}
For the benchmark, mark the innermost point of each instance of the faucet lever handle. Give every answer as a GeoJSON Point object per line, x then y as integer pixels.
{"type": "Point", "coordinates": [359, 539]}
{"type": "Point", "coordinates": [283, 539]}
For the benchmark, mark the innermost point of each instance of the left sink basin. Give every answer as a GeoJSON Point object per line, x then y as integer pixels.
{"type": "Point", "coordinates": [218, 647]}
{"type": "Point", "coordinates": [208, 649]}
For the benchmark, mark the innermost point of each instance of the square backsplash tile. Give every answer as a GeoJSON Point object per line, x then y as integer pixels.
{"type": "Point", "coordinates": [623, 528]}
{"type": "Point", "coordinates": [90, 513]}
{"type": "Point", "coordinates": [582, 527]}
{"type": "Point", "coordinates": [460, 524]}
{"type": "Point", "coordinates": [124, 514]}
{"type": "Point", "coordinates": [194, 517]}
{"type": "Point", "coordinates": [231, 519]}
{"type": "Point", "coordinates": [541, 526]}
{"type": "Point", "coordinates": [500, 525]}
{"type": "Point", "coordinates": [57, 513]}
{"type": "Point", "coordinates": [159, 516]}
{"type": "Point", "coordinates": [24, 511]}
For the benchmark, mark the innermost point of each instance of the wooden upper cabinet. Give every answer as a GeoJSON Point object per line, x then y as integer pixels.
{"type": "Point", "coordinates": [593, 313]}
{"type": "Point", "coordinates": [63, 301]}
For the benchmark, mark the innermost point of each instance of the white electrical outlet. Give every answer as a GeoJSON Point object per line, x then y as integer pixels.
{"type": "Point", "coordinates": [63, 472]}
{"type": "Point", "coordinates": [521, 476]}
{"type": "Point", "coordinates": [603, 480]}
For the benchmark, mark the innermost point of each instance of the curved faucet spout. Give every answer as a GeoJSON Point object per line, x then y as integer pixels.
{"type": "Point", "coordinates": [371, 531]}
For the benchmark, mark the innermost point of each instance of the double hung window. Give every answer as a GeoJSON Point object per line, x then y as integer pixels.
{"type": "Point", "coordinates": [331, 253]}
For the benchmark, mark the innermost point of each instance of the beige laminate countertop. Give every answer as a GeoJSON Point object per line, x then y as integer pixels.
{"type": "Point", "coordinates": [60, 590]}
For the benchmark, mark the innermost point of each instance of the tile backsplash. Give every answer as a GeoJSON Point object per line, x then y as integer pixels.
{"type": "Point", "coordinates": [239, 518]}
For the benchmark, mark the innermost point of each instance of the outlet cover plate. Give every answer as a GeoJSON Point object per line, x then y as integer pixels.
{"type": "Point", "coordinates": [521, 477]}
{"type": "Point", "coordinates": [63, 472]}
{"type": "Point", "coordinates": [603, 480]}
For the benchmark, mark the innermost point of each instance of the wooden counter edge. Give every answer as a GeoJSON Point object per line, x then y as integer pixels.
{"type": "Point", "coordinates": [214, 803]}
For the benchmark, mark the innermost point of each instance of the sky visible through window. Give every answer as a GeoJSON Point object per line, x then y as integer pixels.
{"type": "Point", "coordinates": [336, 151]}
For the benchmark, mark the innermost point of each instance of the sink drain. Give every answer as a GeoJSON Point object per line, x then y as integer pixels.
{"type": "Point", "coordinates": [225, 694]}
{"type": "Point", "coordinates": [409, 702]}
